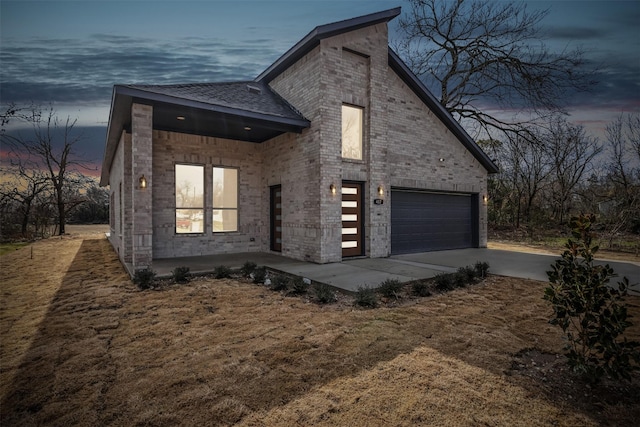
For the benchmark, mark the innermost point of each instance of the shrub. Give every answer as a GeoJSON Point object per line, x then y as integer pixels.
{"type": "Point", "coordinates": [222, 272]}
{"type": "Point", "coordinates": [366, 297]}
{"type": "Point", "coordinates": [324, 294]}
{"type": "Point", "coordinates": [420, 288]}
{"type": "Point", "coordinates": [181, 274]}
{"type": "Point", "coordinates": [390, 288]}
{"type": "Point", "coordinates": [279, 283]}
{"type": "Point", "coordinates": [466, 275]}
{"type": "Point", "coordinates": [481, 269]}
{"type": "Point", "coordinates": [144, 278]}
{"type": "Point", "coordinates": [444, 281]}
{"type": "Point", "coordinates": [259, 274]}
{"type": "Point", "coordinates": [299, 286]}
{"type": "Point", "coordinates": [247, 268]}
{"type": "Point", "coordinates": [591, 313]}
{"type": "Point", "coordinates": [459, 279]}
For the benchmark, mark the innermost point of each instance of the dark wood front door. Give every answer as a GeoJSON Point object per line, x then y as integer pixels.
{"type": "Point", "coordinates": [276, 218]}
{"type": "Point", "coordinates": [352, 241]}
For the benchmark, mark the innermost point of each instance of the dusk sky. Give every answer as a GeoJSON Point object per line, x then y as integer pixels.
{"type": "Point", "coordinates": [71, 53]}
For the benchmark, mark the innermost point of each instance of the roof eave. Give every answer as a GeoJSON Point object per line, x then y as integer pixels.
{"type": "Point", "coordinates": [144, 95]}
{"type": "Point", "coordinates": [398, 65]}
{"type": "Point", "coordinates": [115, 125]}
{"type": "Point", "coordinates": [312, 39]}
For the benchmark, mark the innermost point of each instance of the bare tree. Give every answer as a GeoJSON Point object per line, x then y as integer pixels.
{"type": "Point", "coordinates": [24, 186]}
{"type": "Point", "coordinates": [52, 150]}
{"type": "Point", "coordinates": [571, 152]}
{"type": "Point", "coordinates": [623, 174]}
{"type": "Point", "coordinates": [531, 168]}
{"type": "Point", "coordinates": [474, 52]}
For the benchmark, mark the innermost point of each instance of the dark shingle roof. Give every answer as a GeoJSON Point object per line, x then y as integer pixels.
{"type": "Point", "coordinates": [250, 96]}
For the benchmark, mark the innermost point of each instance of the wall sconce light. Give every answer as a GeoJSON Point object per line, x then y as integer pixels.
{"type": "Point", "coordinates": [332, 187]}
{"type": "Point", "coordinates": [380, 190]}
{"type": "Point", "coordinates": [485, 199]}
{"type": "Point", "coordinates": [143, 182]}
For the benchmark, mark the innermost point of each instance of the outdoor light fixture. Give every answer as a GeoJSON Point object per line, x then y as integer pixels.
{"type": "Point", "coordinates": [180, 117]}
{"type": "Point", "coordinates": [247, 128]}
{"type": "Point", "coordinates": [332, 187]}
{"type": "Point", "coordinates": [441, 159]}
{"type": "Point", "coordinates": [485, 199]}
{"type": "Point", "coordinates": [143, 182]}
{"type": "Point", "coordinates": [380, 190]}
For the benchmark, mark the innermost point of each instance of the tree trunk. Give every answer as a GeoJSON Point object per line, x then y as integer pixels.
{"type": "Point", "coordinates": [25, 219]}
{"type": "Point", "coordinates": [61, 213]}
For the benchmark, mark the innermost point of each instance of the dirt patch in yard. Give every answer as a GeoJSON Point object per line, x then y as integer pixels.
{"type": "Point", "coordinates": [81, 345]}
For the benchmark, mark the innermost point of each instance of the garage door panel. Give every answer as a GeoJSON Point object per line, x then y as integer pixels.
{"type": "Point", "coordinates": [422, 222]}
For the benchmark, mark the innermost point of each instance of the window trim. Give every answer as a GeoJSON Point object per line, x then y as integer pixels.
{"type": "Point", "coordinates": [175, 200]}
{"type": "Point", "coordinates": [362, 131]}
{"type": "Point", "coordinates": [213, 206]}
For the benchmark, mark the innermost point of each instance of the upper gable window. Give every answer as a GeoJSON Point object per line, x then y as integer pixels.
{"type": "Point", "coordinates": [352, 132]}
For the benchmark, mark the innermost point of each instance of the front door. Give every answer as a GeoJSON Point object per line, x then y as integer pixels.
{"type": "Point", "coordinates": [276, 218]}
{"type": "Point", "coordinates": [352, 235]}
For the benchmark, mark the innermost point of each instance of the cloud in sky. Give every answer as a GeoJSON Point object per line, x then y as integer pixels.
{"type": "Point", "coordinates": [70, 54]}
{"type": "Point", "coordinates": [69, 71]}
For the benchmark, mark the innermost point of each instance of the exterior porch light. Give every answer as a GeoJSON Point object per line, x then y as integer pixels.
{"type": "Point", "coordinates": [380, 190]}
{"type": "Point", "coordinates": [332, 188]}
{"type": "Point", "coordinates": [247, 128]}
{"type": "Point", "coordinates": [485, 199]}
{"type": "Point", "coordinates": [143, 182]}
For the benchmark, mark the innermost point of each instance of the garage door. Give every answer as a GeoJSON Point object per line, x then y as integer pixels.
{"type": "Point", "coordinates": [422, 222]}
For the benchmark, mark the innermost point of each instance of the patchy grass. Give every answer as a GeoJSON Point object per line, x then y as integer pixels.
{"type": "Point", "coordinates": [82, 345]}
{"type": "Point", "coordinates": [624, 247]}
{"type": "Point", "coordinates": [6, 248]}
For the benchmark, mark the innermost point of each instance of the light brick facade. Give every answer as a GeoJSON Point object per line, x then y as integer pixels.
{"type": "Point", "coordinates": [403, 142]}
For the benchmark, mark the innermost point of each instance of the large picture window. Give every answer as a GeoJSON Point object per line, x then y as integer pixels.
{"type": "Point", "coordinates": [352, 132]}
{"type": "Point", "coordinates": [189, 199]}
{"type": "Point", "coordinates": [225, 200]}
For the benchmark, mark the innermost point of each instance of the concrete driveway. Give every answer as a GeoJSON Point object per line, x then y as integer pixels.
{"type": "Point", "coordinates": [508, 263]}
{"type": "Point", "coordinates": [501, 262]}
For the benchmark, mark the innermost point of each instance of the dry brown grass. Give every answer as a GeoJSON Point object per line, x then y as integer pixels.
{"type": "Point", "coordinates": [82, 346]}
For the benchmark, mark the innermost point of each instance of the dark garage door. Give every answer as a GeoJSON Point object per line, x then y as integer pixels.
{"type": "Point", "coordinates": [422, 222]}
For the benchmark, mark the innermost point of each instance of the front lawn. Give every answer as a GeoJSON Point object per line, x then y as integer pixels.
{"type": "Point", "coordinates": [81, 345]}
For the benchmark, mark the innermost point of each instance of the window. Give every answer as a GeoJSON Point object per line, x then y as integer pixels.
{"type": "Point", "coordinates": [352, 132]}
{"type": "Point", "coordinates": [225, 199]}
{"type": "Point", "coordinates": [189, 199]}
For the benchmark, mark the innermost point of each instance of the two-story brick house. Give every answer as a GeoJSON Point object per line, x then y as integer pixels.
{"type": "Point", "coordinates": [336, 150]}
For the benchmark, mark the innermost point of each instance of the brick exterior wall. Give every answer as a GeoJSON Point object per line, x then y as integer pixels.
{"type": "Point", "coordinates": [403, 141]}
{"type": "Point", "coordinates": [170, 148]}
{"type": "Point", "coordinates": [414, 152]}
{"type": "Point", "coordinates": [141, 164]}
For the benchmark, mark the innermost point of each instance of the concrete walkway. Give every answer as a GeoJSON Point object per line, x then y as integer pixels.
{"type": "Point", "coordinates": [351, 274]}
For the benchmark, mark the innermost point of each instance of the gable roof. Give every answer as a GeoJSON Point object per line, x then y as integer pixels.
{"type": "Point", "coordinates": [312, 39]}
{"type": "Point", "coordinates": [248, 98]}
{"type": "Point", "coordinates": [229, 109]}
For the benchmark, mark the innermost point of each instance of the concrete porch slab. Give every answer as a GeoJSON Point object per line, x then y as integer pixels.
{"type": "Point", "coordinates": [348, 275]}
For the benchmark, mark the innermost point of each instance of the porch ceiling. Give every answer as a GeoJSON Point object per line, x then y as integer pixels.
{"type": "Point", "coordinates": [177, 118]}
